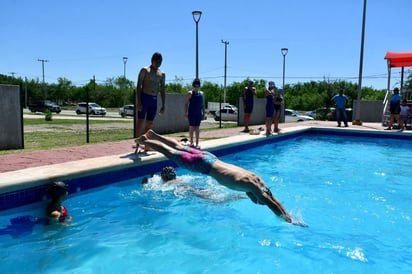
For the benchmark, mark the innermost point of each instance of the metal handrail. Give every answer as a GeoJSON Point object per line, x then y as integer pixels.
{"type": "Point", "coordinates": [385, 103]}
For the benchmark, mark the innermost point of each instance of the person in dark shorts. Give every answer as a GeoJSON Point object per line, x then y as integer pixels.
{"type": "Point", "coordinates": [394, 108]}
{"type": "Point", "coordinates": [228, 175]}
{"type": "Point", "coordinates": [340, 100]}
{"type": "Point", "coordinates": [278, 106]}
{"type": "Point", "coordinates": [194, 111]}
{"type": "Point", "coordinates": [404, 114]}
{"type": "Point", "coordinates": [270, 107]}
{"type": "Point", "coordinates": [248, 93]}
{"type": "Point", "coordinates": [150, 82]}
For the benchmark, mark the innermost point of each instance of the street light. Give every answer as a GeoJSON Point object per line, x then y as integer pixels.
{"type": "Point", "coordinates": [124, 79]}
{"type": "Point", "coordinates": [224, 83]}
{"type": "Point", "coordinates": [284, 51]}
{"type": "Point", "coordinates": [196, 17]}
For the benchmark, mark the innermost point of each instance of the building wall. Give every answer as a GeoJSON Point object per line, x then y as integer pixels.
{"type": "Point", "coordinates": [371, 111]}
{"type": "Point", "coordinates": [258, 115]}
{"type": "Point", "coordinates": [11, 122]}
{"type": "Point", "coordinates": [173, 119]}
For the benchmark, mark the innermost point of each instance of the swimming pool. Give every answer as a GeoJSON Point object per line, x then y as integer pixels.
{"type": "Point", "coordinates": [353, 192]}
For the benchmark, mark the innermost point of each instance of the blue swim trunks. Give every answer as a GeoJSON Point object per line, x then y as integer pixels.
{"type": "Point", "coordinates": [149, 106]}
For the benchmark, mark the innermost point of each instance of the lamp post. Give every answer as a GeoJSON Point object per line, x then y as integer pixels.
{"type": "Point", "coordinates": [196, 17]}
{"type": "Point", "coordinates": [224, 83]}
{"type": "Point", "coordinates": [124, 79]}
{"type": "Point", "coordinates": [284, 51]}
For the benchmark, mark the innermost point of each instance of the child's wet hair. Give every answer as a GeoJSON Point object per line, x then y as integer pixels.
{"type": "Point", "coordinates": [168, 173]}
{"type": "Point", "coordinates": [57, 189]}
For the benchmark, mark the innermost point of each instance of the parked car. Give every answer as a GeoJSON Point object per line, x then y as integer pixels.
{"type": "Point", "coordinates": [45, 105]}
{"type": "Point", "coordinates": [321, 113]}
{"type": "Point", "coordinates": [94, 109]}
{"type": "Point", "coordinates": [328, 114]}
{"type": "Point", "coordinates": [126, 110]}
{"type": "Point", "coordinates": [295, 116]}
{"type": "Point", "coordinates": [214, 107]}
{"type": "Point", "coordinates": [227, 114]}
{"type": "Point", "coordinates": [232, 107]}
{"type": "Point", "coordinates": [332, 115]}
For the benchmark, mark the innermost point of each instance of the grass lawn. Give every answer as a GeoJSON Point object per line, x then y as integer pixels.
{"type": "Point", "coordinates": [40, 134]}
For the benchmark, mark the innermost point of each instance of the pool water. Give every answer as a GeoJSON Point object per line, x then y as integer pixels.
{"type": "Point", "coordinates": [354, 193]}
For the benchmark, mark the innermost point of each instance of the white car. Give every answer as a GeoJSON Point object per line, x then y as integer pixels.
{"type": "Point", "coordinates": [227, 114]}
{"type": "Point", "coordinates": [295, 116]}
{"type": "Point", "coordinates": [232, 107]}
{"type": "Point", "coordinates": [126, 110]}
{"type": "Point", "coordinates": [94, 109]}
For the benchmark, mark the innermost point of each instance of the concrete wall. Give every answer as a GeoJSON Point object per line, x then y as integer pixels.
{"type": "Point", "coordinates": [259, 112]}
{"type": "Point", "coordinates": [173, 119]}
{"type": "Point", "coordinates": [371, 111]}
{"type": "Point", "coordinates": [11, 121]}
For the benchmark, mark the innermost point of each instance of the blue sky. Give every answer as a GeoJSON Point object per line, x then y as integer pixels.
{"type": "Point", "coordinates": [82, 38]}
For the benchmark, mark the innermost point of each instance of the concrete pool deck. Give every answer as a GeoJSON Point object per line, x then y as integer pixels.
{"type": "Point", "coordinates": [20, 169]}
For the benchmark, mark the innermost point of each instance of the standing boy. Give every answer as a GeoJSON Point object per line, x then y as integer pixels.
{"type": "Point", "coordinates": [150, 82]}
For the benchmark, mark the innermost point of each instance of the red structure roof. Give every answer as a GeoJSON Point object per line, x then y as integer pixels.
{"type": "Point", "coordinates": [399, 59]}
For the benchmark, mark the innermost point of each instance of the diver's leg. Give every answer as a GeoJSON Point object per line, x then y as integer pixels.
{"type": "Point", "coordinates": [159, 146]}
{"type": "Point", "coordinates": [151, 135]}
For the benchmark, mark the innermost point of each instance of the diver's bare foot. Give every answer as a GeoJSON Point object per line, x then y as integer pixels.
{"type": "Point", "coordinates": [150, 134]}
{"type": "Point", "coordinates": [142, 139]}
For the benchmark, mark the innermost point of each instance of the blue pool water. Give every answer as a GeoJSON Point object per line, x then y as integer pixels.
{"type": "Point", "coordinates": [354, 193]}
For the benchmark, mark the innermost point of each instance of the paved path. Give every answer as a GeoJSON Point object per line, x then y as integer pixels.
{"type": "Point", "coordinates": [17, 161]}
{"type": "Point", "coordinates": [22, 160]}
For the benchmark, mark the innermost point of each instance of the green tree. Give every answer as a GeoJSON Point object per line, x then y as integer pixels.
{"type": "Point", "coordinates": [212, 92]}
{"type": "Point", "coordinates": [408, 82]}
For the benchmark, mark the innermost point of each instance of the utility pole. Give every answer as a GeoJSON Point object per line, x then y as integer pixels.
{"type": "Point", "coordinates": [124, 79]}
{"type": "Point", "coordinates": [357, 120]}
{"type": "Point", "coordinates": [43, 87]}
{"type": "Point", "coordinates": [224, 83]}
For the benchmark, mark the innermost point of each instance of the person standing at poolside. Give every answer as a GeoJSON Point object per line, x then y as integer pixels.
{"type": "Point", "coordinates": [403, 114]}
{"type": "Point", "coordinates": [270, 108]}
{"type": "Point", "coordinates": [340, 100]}
{"type": "Point", "coordinates": [248, 93]}
{"type": "Point", "coordinates": [150, 82]}
{"type": "Point", "coordinates": [194, 111]}
{"type": "Point", "coordinates": [228, 175]}
{"type": "Point", "coordinates": [278, 106]}
{"type": "Point", "coordinates": [394, 108]}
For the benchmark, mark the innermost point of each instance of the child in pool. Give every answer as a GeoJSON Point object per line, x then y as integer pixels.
{"type": "Point", "coordinates": [168, 176]}
{"type": "Point", "coordinates": [55, 211]}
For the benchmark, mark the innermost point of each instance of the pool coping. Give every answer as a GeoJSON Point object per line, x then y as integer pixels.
{"type": "Point", "coordinates": [35, 176]}
{"type": "Point", "coordinates": [14, 183]}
